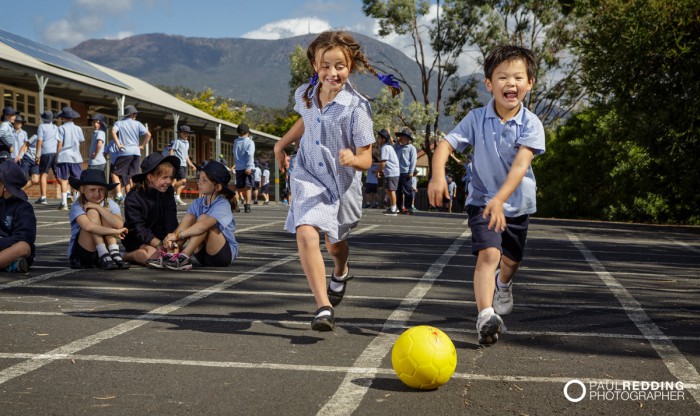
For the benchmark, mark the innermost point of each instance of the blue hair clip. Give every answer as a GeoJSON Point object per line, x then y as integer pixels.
{"type": "Point", "coordinates": [313, 79]}
{"type": "Point", "coordinates": [389, 80]}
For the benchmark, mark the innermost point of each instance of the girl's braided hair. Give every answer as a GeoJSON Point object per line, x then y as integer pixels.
{"type": "Point", "coordinates": [351, 49]}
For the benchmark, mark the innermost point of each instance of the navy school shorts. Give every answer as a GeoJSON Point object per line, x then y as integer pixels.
{"type": "Point", "coordinates": [511, 242]}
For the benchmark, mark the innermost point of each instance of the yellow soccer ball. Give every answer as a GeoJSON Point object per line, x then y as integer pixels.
{"type": "Point", "coordinates": [424, 357]}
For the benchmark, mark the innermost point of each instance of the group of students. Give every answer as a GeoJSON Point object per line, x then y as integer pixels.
{"type": "Point", "coordinates": [335, 136]}
{"type": "Point", "coordinates": [396, 164]}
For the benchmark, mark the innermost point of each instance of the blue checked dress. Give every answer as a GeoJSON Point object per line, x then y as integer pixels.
{"type": "Point", "coordinates": [326, 195]}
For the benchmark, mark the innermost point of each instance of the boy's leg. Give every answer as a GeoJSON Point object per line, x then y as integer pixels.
{"type": "Point", "coordinates": [10, 254]}
{"type": "Point", "coordinates": [484, 283]}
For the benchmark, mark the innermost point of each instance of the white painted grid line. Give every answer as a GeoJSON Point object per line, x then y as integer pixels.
{"type": "Point", "coordinates": [674, 360]}
{"type": "Point", "coordinates": [352, 390]}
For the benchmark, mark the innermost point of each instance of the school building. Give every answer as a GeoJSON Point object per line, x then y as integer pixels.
{"type": "Point", "coordinates": [35, 77]}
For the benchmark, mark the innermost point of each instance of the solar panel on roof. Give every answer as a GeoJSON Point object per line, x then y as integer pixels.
{"type": "Point", "coordinates": [57, 58]}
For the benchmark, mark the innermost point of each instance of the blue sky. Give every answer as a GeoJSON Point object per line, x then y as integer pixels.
{"type": "Point", "coordinates": [65, 23]}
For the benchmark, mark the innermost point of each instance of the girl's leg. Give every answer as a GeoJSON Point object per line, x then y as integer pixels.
{"type": "Point", "coordinates": [339, 252]}
{"type": "Point", "coordinates": [312, 262]}
{"type": "Point", "coordinates": [90, 241]}
{"type": "Point", "coordinates": [141, 255]}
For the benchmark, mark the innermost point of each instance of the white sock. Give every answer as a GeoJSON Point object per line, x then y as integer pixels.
{"type": "Point", "coordinates": [119, 194]}
{"type": "Point", "coordinates": [336, 286]}
{"type": "Point", "coordinates": [393, 208]}
{"type": "Point", "coordinates": [324, 312]}
{"type": "Point", "coordinates": [64, 198]}
{"type": "Point", "coordinates": [486, 312]}
{"type": "Point", "coordinates": [500, 284]}
{"type": "Point", "coordinates": [113, 248]}
{"type": "Point", "coordinates": [101, 250]}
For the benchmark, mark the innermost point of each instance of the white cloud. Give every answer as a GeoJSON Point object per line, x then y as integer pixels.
{"type": "Point", "coordinates": [288, 28]}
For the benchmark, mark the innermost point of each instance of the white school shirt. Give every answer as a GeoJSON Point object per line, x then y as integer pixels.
{"type": "Point", "coordinates": [18, 139]}
{"type": "Point", "coordinates": [326, 195]}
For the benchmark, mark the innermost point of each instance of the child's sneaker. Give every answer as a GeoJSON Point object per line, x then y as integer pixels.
{"type": "Point", "coordinates": [391, 213]}
{"type": "Point", "coordinates": [20, 265]}
{"type": "Point", "coordinates": [179, 201]}
{"type": "Point", "coordinates": [503, 298]}
{"type": "Point", "coordinates": [178, 262]}
{"type": "Point", "coordinates": [488, 327]}
{"type": "Point", "coordinates": [41, 201]}
{"type": "Point", "coordinates": [158, 262]}
{"type": "Point", "coordinates": [63, 207]}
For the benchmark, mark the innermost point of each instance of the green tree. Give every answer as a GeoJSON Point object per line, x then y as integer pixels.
{"type": "Point", "coordinates": [631, 155]}
{"type": "Point", "coordinates": [301, 71]}
{"type": "Point", "coordinates": [217, 107]}
{"type": "Point", "coordinates": [435, 49]}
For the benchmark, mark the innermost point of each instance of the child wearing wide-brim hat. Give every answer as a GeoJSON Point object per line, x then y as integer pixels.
{"type": "Point", "coordinates": [210, 238]}
{"type": "Point", "coordinates": [17, 221]}
{"type": "Point", "coordinates": [69, 160]}
{"type": "Point", "coordinates": [96, 224]}
{"type": "Point", "coordinates": [150, 210]}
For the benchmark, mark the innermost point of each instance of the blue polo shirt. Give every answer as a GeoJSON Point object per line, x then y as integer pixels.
{"type": "Point", "coordinates": [495, 146]}
{"type": "Point", "coordinates": [407, 158]}
{"type": "Point", "coordinates": [391, 167]}
{"type": "Point", "coordinates": [129, 132]}
{"type": "Point", "coordinates": [71, 136]}
{"type": "Point", "coordinates": [47, 133]}
{"type": "Point", "coordinates": [243, 153]}
{"type": "Point", "coordinates": [220, 210]}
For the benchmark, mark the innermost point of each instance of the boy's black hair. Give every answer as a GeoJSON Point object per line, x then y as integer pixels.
{"type": "Point", "coordinates": [506, 53]}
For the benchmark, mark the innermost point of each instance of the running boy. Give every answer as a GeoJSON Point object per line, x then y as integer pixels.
{"type": "Point", "coordinates": [505, 136]}
{"type": "Point", "coordinates": [243, 154]}
{"type": "Point", "coordinates": [181, 149]}
{"type": "Point", "coordinates": [46, 144]}
{"type": "Point", "coordinates": [68, 158]}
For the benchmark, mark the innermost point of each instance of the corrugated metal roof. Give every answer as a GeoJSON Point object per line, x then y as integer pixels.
{"type": "Point", "coordinates": [145, 94]}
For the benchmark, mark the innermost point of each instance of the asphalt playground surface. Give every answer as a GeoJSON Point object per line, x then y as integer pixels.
{"type": "Point", "coordinates": [605, 304]}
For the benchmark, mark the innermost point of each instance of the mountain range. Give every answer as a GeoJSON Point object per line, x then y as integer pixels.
{"type": "Point", "coordinates": [254, 71]}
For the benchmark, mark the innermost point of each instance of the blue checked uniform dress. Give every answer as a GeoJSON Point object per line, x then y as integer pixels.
{"type": "Point", "coordinates": [326, 195]}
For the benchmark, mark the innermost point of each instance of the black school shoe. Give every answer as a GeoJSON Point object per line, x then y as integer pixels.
{"type": "Point", "coordinates": [119, 261]}
{"type": "Point", "coordinates": [106, 263]}
{"type": "Point", "coordinates": [336, 297]}
{"type": "Point", "coordinates": [325, 322]}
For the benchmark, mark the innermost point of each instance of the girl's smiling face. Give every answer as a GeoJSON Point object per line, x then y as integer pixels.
{"type": "Point", "coordinates": [509, 84]}
{"type": "Point", "coordinates": [162, 181]}
{"type": "Point", "coordinates": [93, 193]}
{"type": "Point", "coordinates": [333, 68]}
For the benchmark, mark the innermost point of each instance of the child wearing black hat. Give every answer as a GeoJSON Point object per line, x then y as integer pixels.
{"type": "Point", "coordinates": [150, 210]}
{"type": "Point", "coordinates": [95, 224]}
{"type": "Point", "coordinates": [17, 221]}
{"type": "Point", "coordinates": [208, 227]}
{"type": "Point", "coordinates": [6, 128]}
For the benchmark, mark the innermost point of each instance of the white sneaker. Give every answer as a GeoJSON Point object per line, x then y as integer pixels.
{"type": "Point", "coordinates": [503, 297]}
{"type": "Point", "coordinates": [179, 201]}
{"type": "Point", "coordinates": [488, 327]}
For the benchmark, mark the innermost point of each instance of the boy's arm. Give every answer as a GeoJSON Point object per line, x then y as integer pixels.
{"type": "Point", "coordinates": [517, 171]}
{"type": "Point", "coordinates": [437, 187]}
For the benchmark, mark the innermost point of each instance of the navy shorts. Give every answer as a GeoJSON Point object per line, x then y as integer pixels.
{"type": "Point", "coordinates": [127, 166]}
{"type": "Point", "coordinates": [181, 173]}
{"type": "Point", "coordinates": [244, 180]}
{"type": "Point", "coordinates": [67, 170]}
{"type": "Point", "coordinates": [511, 242]}
{"type": "Point", "coordinates": [221, 259]}
{"type": "Point", "coordinates": [370, 188]}
{"type": "Point", "coordinates": [392, 183]}
{"type": "Point", "coordinates": [256, 185]}
{"type": "Point", "coordinates": [29, 166]}
{"type": "Point", "coordinates": [81, 258]}
{"type": "Point", "coordinates": [48, 161]}
{"type": "Point", "coordinates": [265, 188]}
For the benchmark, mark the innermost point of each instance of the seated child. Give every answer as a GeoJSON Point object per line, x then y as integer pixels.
{"type": "Point", "coordinates": [207, 230]}
{"type": "Point", "coordinates": [95, 224]}
{"type": "Point", "coordinates": [150, 210]}
{"type": "Point", "coordinates": [17, 221]}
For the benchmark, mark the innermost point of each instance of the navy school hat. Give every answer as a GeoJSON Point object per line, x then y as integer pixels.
{"type": "Point", "coordinates": [151, 162]}
{"type": "Point", "coordinates": [68, 112]}
{"type": "Point", "coordinates": [184, 129]}
{"type": "Point", "coordinates": [91, 177]}
{"type": "Point", "coordinates": [13, 178]}
{"type": "Point", "coordinates": [129, 110]}
{"type": "Point", "coordinates": [9, 111]}
{"type": "Point", "coordinates": [217, 172]}
{"type": "Point", "coordinates": [101, 119]}
{"type": "Point", "coordinates": [405, 133]}
{"type": "Point", "coordinates": [47, 116]}
{"type": "Point", "coordinates": [385, 134]}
